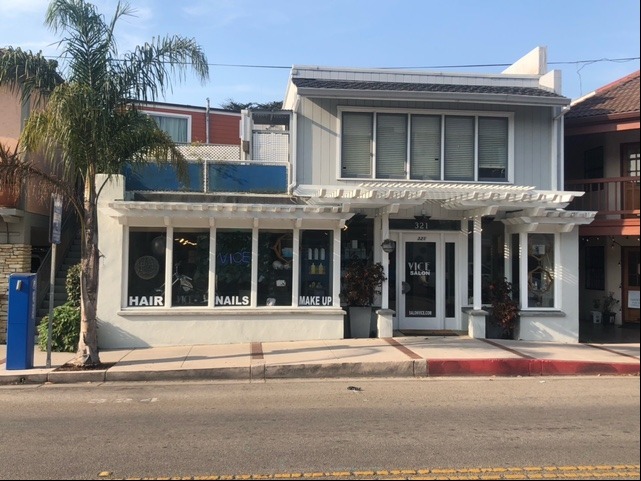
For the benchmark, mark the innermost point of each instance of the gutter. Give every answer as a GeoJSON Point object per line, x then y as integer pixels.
{"type": "Point", "coordinates": [557, 177]}
{"type": "Point", "coordinates": [293, 146]}
{"type": "Point", "coordinates": [434, 96]}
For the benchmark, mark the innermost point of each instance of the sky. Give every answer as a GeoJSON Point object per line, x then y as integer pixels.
{"type": "Point", "coordinates": [251, 45]}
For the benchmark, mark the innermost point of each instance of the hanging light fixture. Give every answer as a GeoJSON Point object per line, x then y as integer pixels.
{"type": "Point", "coordinates": [388, 245]}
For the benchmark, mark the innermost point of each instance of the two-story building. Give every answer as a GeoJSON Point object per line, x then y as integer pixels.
{"type": "Point", "coordinates": [449, 180]}
{"type": "Point", "coordinates": [24, 210]}
{"type": "Point", "coordinates": [602, 159]}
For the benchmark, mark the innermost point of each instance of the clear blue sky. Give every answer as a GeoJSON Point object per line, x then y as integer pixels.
{"type": "Point", "coordinates": [420, 34]}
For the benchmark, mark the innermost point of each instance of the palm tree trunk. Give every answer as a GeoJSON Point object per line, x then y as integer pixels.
{"type": "Point", "coordinates": [88, 343]}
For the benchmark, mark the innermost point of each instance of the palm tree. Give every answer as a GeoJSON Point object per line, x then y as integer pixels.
{"type": "Point", "coordinates": [90, 123]}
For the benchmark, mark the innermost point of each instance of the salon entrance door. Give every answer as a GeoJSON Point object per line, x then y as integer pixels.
{"type": "Point", "coordinates": [428, 281]}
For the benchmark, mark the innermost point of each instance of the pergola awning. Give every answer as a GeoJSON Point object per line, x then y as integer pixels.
{"type": "Point", "coordinates": [454, 197]}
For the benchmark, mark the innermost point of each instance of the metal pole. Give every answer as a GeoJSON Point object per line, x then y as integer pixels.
{"type": "Point", "coordinates": [52, 280]}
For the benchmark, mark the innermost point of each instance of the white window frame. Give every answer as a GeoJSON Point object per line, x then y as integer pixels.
{"type": "Point", "coordinates": [174, 116]}
{"type": "Point", "coordinates": [442, 113]}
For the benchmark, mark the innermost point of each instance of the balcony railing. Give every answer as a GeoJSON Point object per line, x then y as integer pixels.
{"type": "Point", "coordinates": [211, 169]}
{"type": "Point", "coordinates": [614, 197]}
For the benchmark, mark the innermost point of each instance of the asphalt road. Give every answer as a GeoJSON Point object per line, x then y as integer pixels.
{"type": "Point", "coordinates": [157, 430]}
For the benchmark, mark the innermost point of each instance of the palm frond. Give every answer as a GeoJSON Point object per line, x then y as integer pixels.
{"type": "Point", "coordinates": [28, 73]}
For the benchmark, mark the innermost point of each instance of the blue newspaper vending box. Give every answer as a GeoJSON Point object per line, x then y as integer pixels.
{"type": "Point", "coordinates": [21, 321]}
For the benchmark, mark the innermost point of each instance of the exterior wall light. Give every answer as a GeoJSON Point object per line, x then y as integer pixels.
{"type": "Point", "coordinates": [388, 245]}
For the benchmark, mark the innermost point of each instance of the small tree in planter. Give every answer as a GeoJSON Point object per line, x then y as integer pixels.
{"type": "Point", "coordinates": [609, 303]}
{"type": "Point", "coordinates": [360, 284]}
{"type": "Point", "coordinates": [504, 309]}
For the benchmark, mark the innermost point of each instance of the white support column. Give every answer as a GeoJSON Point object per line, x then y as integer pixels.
{"type": "Point", "coordinates": [478, 300]}
{"type": "Point", "coordinates": [523, 268]}
{"type": "Point", "coordinates": [295, 266]}
{"type": "Point", "coordinates": [124, 285]}
{"type": "Point", "coordinates": [385, 262]}
{"type": "Point", "coordinates": [336, 269]}
{"type": "Point", "coordinates": [211, 299]}
{"type": "Point", "coordinates": [254, 280]}
{"type": "Point", "coordinates": [169, 268]}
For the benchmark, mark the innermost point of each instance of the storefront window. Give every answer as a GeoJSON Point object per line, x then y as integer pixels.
{"type": "Point", "coordinates": [540, 270]}
{"type": "Point", "coordinates": [315, 268]}
{"type": "Point", "coordinates": [492, 255]}
{"type": "Point", "coordinates": [146, 281]}
{"type": "Point", "coordinates": [190, 274]}
{"type": "Point", "coordinates": [275, 268]}
{"type": "Point", "coordinates": [233, 267]}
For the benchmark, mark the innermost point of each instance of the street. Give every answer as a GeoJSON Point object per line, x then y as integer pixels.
{"type": "Point", "coordinates": [153, 430]}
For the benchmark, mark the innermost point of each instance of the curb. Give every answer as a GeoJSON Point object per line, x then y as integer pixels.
{"type": "Point", "coordinates": [401, 369]}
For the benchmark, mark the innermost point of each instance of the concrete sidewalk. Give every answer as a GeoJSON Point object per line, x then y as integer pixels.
{"type": "Point", "coordinates": [419, 356]}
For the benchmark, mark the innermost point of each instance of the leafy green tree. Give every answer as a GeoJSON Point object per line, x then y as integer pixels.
{"type": "Point", "coordinates": [89, 123]}
{"type": "Point", "coordinates": [238, 106]}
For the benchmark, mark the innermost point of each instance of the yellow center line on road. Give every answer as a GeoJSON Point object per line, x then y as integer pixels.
{"type": "Point", "coordinates": [624, 471]}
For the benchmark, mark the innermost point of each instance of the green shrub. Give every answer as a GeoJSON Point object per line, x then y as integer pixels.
{"type": "Point", "coordinates": [65, 327]}
{"type": "Point", "coordinates": [72, 285]}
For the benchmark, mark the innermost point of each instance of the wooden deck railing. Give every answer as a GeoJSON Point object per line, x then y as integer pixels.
{"type": "Point", "coordinates": [614, 197]}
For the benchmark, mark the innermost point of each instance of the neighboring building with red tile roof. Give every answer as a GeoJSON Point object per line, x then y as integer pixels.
{"type": "Point", "coordinates": [617, 101]}
{"type": "Point", "coordinates": [602, 159]}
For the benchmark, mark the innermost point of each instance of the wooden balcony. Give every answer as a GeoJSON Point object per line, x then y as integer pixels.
{"type": "Point", "coordinates": [616, 201]}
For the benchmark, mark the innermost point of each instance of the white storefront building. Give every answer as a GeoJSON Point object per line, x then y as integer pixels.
{"type": "Point", "coordinates": [458, 175]}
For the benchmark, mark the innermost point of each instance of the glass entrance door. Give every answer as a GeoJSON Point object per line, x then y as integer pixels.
{"type": "Point", "coordinates": [427, 291]}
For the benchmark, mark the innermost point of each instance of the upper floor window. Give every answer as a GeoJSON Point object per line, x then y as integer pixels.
{"type": "Point", "coordinates": [383, 145]}
{"type": "Point", "coordinates": [177, 127]}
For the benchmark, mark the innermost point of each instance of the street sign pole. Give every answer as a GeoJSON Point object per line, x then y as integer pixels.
{"type": "Point", "coordinates": [54, 237]}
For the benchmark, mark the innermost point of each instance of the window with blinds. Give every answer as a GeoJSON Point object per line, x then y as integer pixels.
{"type": "Point", "coordinates": [425, 146]}
{"type": "Point", "coordinates": [493, 137]}
{"type": "Point", "coordinates": [459, 148]}
{"type": "Point", "coordinates": [391, 146]}
{"type": "Point", "coordinates": [356, 148]}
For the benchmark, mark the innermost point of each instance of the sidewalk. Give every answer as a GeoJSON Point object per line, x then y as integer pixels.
{"type": "Point", "coordinates": [405, 357]}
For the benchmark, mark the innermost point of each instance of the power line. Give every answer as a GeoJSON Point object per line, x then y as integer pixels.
{"type": "Point", "coordinates": [573, 62]}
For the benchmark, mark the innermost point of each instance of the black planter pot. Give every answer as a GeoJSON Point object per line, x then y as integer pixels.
{"type": "Point", "coordinates": [494, 331]}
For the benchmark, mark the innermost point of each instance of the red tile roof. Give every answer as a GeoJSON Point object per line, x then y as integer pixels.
{"type": "Point", "coordinates": [618, 97]}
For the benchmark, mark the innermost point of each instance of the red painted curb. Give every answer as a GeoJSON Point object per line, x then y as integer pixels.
{"type": "Point", "coordinates": [478, 367]}
{"type": "Point", "coordinates": [557, 368]}
{"type": "Point", "coordinates": [524, 367]}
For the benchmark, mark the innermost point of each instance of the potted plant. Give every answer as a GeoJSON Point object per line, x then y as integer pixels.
{"type": "Point", "coordinates": [504, 311]}
{"type": "Point", "coordinates": [609, 303]}
{"type": "Point", "coordinates": [361, 282]}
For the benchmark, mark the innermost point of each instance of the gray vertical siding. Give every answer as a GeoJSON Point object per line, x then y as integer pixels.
{"type": "Point", "coordinates": [318, 136]}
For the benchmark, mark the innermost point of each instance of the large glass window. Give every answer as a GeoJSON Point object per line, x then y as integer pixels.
{"type": "Point", "coordinates": [190, 275]}
{"type": "Point", "coordinates": [146, 280]}
{"type": "Point", "coordinates": [315, 268]}
{"type": "Point", "coordinates": [233, 267]}
{"type": "Point", "coordinates": [540, 270]}
{"type": "Point", "coordinates": [411, 146]}
{"type": "Point", "coordinates": [175, 127]}
{"type": "Point", "coordinates": [275, 268]}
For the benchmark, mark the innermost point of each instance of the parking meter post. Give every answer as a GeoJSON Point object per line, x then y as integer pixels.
{"type": "Point", "coordinates": [52, 281]}
{"type": "Point", "coordinates": [55, 231]}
